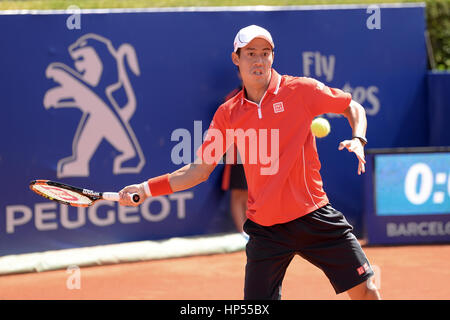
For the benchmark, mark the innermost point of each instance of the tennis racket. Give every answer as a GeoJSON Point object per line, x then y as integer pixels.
{"type": "Point", "coordinates": [73, 196]}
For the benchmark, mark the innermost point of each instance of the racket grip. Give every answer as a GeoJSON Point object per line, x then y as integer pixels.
{"type": "Point", "coordinates": [111, 196]}
{"type": "Point", "coordinates": [114, 196]}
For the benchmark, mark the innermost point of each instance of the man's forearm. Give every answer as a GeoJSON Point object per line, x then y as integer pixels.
{"type": "Point", "coordinates": [181, 179]}
{"type": "Point", "coordinates": [356, 116]}
{"type": "Point", "coordinates": [187, 177]}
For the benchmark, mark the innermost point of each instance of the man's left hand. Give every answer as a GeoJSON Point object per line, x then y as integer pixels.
{"type": "Point", "coordinates": [355, 145]}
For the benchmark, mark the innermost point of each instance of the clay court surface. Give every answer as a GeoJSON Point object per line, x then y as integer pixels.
{"type": "Point", "coordinates": [404, 272]}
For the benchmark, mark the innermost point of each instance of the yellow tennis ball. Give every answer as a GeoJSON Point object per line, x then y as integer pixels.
{"type": "Point", "coordinates": [320, 127]}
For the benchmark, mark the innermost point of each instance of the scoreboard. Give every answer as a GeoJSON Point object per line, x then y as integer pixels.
{"type": "Point", "coordinates": [407, 195]}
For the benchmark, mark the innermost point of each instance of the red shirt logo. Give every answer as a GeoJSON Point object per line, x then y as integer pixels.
{"type": "Point", "coordinates": [278, 107]}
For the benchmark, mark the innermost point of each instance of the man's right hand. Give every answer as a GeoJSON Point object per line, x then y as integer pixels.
{"type": "Point", "coordinates": [127, 192]}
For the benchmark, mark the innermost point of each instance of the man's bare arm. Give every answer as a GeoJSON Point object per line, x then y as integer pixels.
{"type": "Point", "coordinates": [190, 175]}
{"type": "Point", "coordinates": [184, 178]}
{"type": "Point", "coordinates": [356, 116]}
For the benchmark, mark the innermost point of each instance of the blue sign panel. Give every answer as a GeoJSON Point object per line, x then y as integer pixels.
{"type": "Point", "coordinates": [102, 100]}
{"type": "Point", "coordinates": [439, 107]}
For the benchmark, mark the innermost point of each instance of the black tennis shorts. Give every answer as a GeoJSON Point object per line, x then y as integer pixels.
{"type": "Point", "coordinates": [322, 237]}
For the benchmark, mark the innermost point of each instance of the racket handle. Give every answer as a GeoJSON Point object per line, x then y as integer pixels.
{"type": "Point", "coordinates": [114, 196]}
{"type": "Point", "coordinates": [111, 196]}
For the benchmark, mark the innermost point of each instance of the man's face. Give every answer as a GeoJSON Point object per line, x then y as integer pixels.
{"type": "Point", "coordinates": [255, 62]}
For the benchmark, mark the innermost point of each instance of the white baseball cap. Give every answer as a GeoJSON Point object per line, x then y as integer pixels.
{"type": "Point", "coordinates": [247, 34]}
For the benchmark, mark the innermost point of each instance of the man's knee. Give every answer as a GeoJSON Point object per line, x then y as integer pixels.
{"type": "Point", "coordinates": [365, 291]}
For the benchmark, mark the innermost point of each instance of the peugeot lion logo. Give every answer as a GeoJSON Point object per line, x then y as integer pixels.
{"type": "Point", "coordinates": [90, 90]}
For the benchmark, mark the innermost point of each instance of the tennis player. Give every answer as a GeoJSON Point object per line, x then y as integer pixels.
{"type": "Point", "coordinates": [288, 210]}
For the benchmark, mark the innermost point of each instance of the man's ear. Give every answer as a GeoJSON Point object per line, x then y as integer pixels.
{"type": "Point", "coordinates": [235, 58]}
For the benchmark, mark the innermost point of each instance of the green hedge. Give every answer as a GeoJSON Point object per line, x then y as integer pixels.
{"type": "Point", "coordinates": [438, 21]}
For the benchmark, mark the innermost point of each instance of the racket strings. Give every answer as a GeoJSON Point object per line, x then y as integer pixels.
{"type": "Point", "coordinates": [62, 195]}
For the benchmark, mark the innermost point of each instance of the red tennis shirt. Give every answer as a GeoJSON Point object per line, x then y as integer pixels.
{"type": "Point", "coordinates": [276, 145]}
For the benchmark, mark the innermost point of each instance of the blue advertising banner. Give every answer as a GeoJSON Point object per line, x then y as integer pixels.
{"type": "Point", "coordinates": [408, 196]}
{"type": "Point", "coordinates": [103, 99]}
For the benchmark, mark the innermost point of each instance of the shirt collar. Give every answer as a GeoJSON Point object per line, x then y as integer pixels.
{"type": "Point", "coordinates": [274, 84]}
{"type": "Point", "coordinates": [273, 88]}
